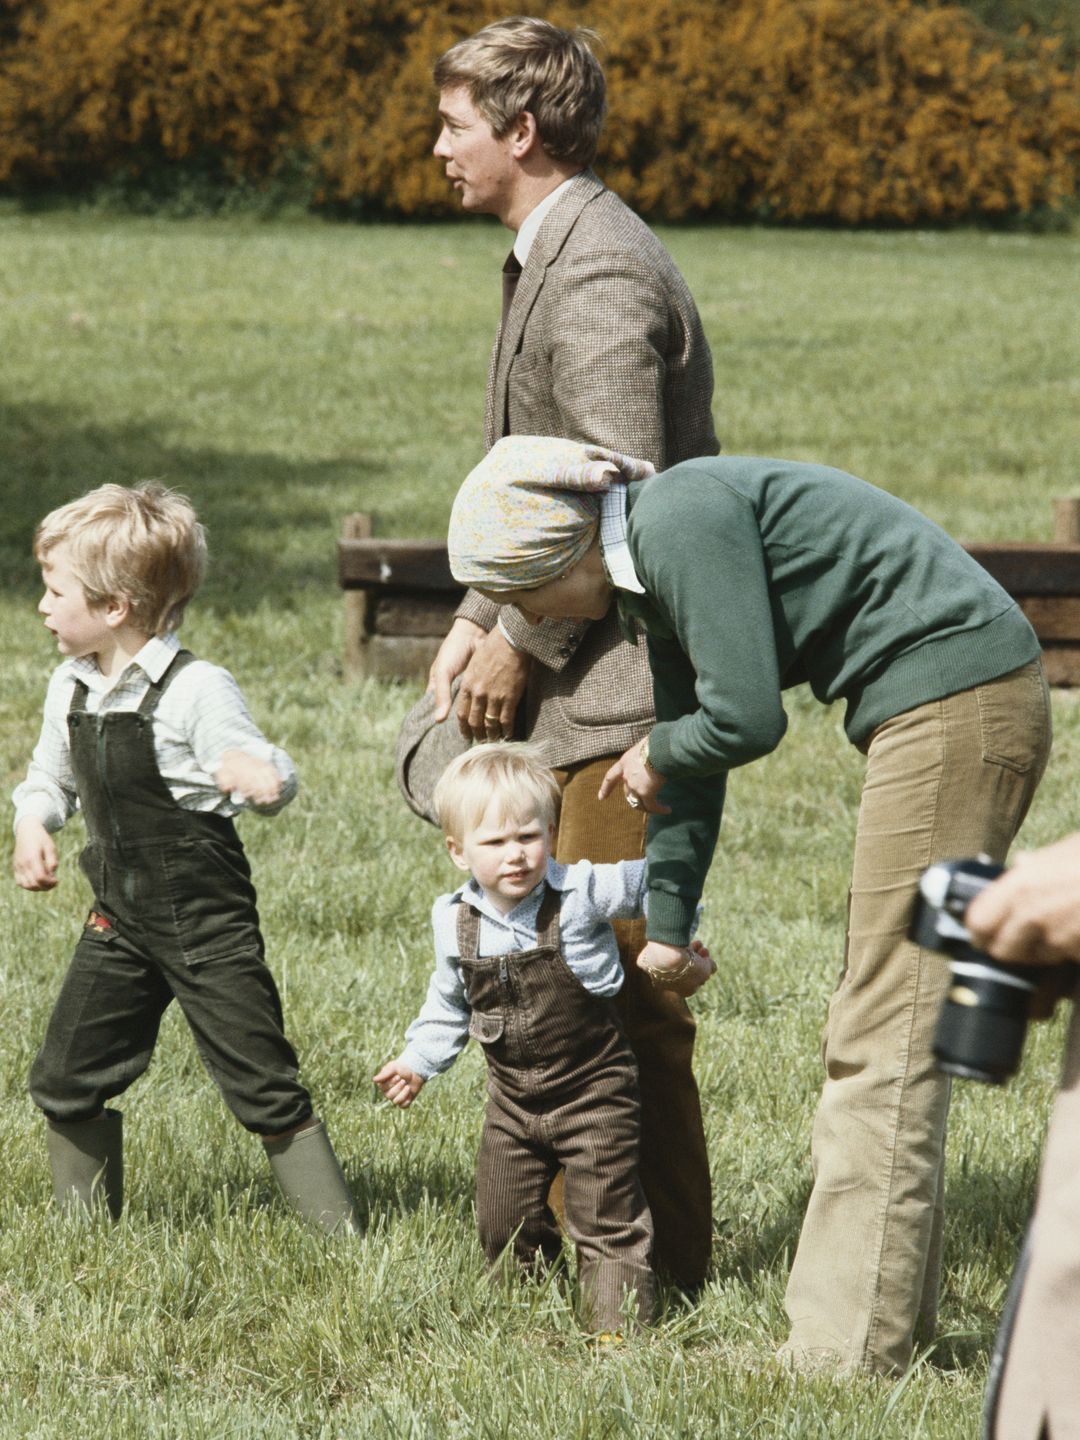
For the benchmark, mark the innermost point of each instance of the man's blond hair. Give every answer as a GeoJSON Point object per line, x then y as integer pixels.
{"type": "Point", "coordinates": [525, 64]}
{"type": "Point", "coordinates": [143, 544]}
{"type": "Point", "coordinates": [512, 775]}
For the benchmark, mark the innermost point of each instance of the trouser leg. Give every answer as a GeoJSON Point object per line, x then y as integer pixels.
{"type": "Point", "coordinates": [234, 1012]}
{"type": "Point", "coordinates": [1040, 1385]}
{"type": "Point", "coordinates": [674, 1161]}
{"type": "Point", "coordinates": [948, 779]}
{"type": "Point", "coordinates": [606, 1213]}
{"type": "Point", "coordinates": [102, 1030]}
{"type": "Point", "coordinates": [514, 1171]}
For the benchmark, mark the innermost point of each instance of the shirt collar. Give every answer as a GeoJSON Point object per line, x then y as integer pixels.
{"type": "Point", "coordinates": [618, 561]}
{"type": "Point", "coordinates": [471, 893]}
{"type": "Point", "coordinates": [527, 232]}
{"type": "Point", "coordinates": [153, 660]}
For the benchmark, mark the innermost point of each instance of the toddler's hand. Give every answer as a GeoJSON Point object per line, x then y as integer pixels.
{"type": "Point", "coordinates": [683, 969]}
{"type": "Point", "coordinates": [35, 856]}
{"type": "Point", "coordinates": [399, 1084]}
{"type": "Point", "coordinates": [256, 781]}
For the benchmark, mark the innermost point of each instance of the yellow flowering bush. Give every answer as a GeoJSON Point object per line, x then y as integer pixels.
{"type": "Point", "coordinates": [856, 111]}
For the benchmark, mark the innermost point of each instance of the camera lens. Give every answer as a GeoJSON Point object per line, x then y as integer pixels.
{"type": "Point", "coordinates": [980, 1031]}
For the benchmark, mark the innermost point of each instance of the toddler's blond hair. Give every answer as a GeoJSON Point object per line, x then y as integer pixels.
{"type": "Point", "coordinates": [144, 544]}
{"type": "Point", "coordinates": [511, 774]}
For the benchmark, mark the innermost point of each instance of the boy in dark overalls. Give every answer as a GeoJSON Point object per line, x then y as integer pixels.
{"type": "Point", "coordinates": [527, 963]}
{"type": "Point", "coordinates": [159, 751]}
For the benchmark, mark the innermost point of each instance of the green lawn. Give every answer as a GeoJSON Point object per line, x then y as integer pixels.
{"type": "Point", "coordinates": [284, 375]}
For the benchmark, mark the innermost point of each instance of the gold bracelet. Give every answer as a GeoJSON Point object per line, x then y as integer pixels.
{"type": "Point", "coordinates": [660, 976]}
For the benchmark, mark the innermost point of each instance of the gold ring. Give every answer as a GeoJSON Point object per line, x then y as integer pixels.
{"type": "Point", "coordinates": [489, 719]}
{"type": "Point", "coordinates": [633, 802]}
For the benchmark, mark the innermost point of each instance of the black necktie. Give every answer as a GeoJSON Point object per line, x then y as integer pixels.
{"type": "Point", "coordinates": [511, 274]}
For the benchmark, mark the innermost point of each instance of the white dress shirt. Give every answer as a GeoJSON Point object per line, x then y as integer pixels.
{"type": "Point", "coordinates": [201, 715]}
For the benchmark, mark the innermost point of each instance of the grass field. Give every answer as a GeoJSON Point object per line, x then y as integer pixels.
{"type": "Point", "coordinates": [283, 375]}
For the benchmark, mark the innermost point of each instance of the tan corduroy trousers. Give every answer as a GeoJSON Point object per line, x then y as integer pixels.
{"type": "Point", "coordinates": [1040, 1390]}
{"type": "Point", "coordinates": [949, 779]}
{"type": "Point", "coordinates": [674, 1162]}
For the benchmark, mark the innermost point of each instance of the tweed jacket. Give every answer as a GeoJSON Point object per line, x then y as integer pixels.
{"type": "Point", "coordinates": [603, 344]}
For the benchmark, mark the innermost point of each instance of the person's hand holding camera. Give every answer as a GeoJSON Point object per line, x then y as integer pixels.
{"type": "Point", "coordinates": [1031, 915]}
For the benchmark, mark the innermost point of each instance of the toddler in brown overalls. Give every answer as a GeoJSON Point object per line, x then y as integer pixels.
{"type": "Point", "coordinates": [527, 963]}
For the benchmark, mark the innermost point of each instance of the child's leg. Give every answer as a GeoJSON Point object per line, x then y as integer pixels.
{"type": "Point", "coordinates": [234, 1012]}
{"type": "Point", "coordinates": [606, 1213]}
{"type": "Point", "coordinates": [99, 1039]}
{"type": "Point", "coordinates": [102, 1030]}
{"type": "Point", "coordinates": [513, 1177]}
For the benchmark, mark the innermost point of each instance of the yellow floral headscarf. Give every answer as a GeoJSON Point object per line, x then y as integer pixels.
{"type": "Point", "coordinates": [529, 511]}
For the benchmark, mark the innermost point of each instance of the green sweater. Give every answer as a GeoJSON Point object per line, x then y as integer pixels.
{"type": "Point", "coordinates": [763, 574]}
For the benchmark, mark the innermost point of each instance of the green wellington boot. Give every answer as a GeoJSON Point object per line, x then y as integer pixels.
{"type": "Point", "coordinates": [306, 1168]}
{"type": "Point", "coordinates": [87, 1162]}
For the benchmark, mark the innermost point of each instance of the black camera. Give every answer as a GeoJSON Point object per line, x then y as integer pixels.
{"type": "Point", "coordinates": [980, 1031]}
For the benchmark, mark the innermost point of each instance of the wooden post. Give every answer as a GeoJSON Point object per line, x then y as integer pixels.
{"type": "Point", "coordinates": [359, 604]}
{"type": "Point", "coordinates": [1067, 521]}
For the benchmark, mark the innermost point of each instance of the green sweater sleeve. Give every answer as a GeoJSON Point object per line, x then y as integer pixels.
{"type": "Point", "coordinates": [716, 673]}
{"type": "Point", "coordinates": [680, 844]}
{"type": "Point", "coordinates": [701, 560]}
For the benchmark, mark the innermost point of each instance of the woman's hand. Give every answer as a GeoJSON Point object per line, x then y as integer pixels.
{"type": "Point", "coordinates": [641, 784]}
{"type": "Point", "coordinates": [681, 968]}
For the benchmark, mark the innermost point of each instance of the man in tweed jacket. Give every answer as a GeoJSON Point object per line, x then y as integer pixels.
{"type": "Point", "coordinates": [600, 341]}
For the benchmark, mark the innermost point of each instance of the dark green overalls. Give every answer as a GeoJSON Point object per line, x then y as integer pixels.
{"type": "Point", "coordinates": [174, 916]}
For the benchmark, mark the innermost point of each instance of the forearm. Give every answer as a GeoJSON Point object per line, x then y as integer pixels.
{"type": "Point", "coordinates": [216, 720]}
{"type": "Point", "coordinates": [680, 849]}
{"type": "Point", "coordinates": [47, 805]}
{"type": "Point", "coordinates": [48, 792]}
{"type": "Point", "coordinates": [440, 1031]}
{"type": "Point", "coordinates": [435, 1039]}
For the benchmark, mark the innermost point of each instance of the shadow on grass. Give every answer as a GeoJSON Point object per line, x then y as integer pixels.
{"type": "Point", "coordinates": [379, 1193]}
{"type": "Point", "coordinates": [272, 522]}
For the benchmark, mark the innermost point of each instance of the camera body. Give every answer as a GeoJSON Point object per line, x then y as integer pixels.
{"type": "Point", "coordinates": [981, 1028]}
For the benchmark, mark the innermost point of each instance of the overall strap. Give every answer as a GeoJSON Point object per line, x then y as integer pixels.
{"type": "Point", "coordinates": [77, 706]}
{"type": "Point", "coordinates": [468, 931]}
{"type": "Point", "coordinates": [180, 661]}
{"type": "Point", "coordinates": [547, 918]}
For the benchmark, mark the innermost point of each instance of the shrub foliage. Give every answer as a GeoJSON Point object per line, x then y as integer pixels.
{"type": "Point", "coordinates": [857, 111]}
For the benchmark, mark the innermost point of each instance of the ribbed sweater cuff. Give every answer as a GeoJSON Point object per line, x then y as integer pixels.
{"type": "Point", "coordinates": [670, 917]}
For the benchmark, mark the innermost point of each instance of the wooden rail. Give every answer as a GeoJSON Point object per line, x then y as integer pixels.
{"type": "Point", "coordinates": [400, 596]}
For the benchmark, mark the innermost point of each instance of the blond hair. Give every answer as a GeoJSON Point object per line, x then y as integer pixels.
{"type": "Point", "coordinates": [143, 544]}
{"type": "Point", "coordinates": [513, 775]}
{"type": "Point", "coordinates": [525, 64]}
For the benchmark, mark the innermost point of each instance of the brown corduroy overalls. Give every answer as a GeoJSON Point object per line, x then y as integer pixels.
{"type": "Point", "coordinates": [562, 1091]}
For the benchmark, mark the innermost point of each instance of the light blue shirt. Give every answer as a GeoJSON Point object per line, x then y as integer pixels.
{"type": "Point", "coordinates": [592, 896]}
